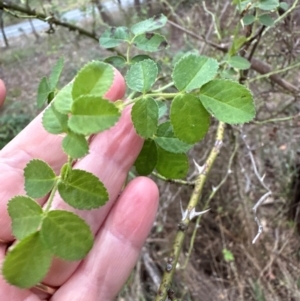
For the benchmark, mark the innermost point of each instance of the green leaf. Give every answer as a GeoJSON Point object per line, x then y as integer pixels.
{"type": "Point", "coordinates": [39, 178]}
{"type": "Point", "coordinates": [237, 44]}
{"type": "Point", "coordinates": [144, 115]}
{"type": "Point", "coordinates": [228, 101]}
{"type": "Point", "coordinates": [193, 71]}
{"type": "Point", "coordinates": [242, 4]}
{"type": "Point", "coordinates": [27, 263]}
{"type": "Point", "coordinates": [147, 159]}
{"type": "Point", "coordinates": [64, 171]}
{"type": "Point", "coordinates": [180, 54]}
{"type": "Point", "coordinates": [66, 235]}
{"type": "Point", "coordinates": [43, 91]}
{"type": "Point", "coordinates": [82, 190]}
{"type": "Point", "coordinates": [94, 78]}
{"type": "Point", "coordinates": [230, 74]}
{"type": "Point", "coordinates": [228, 256]}
{"type": "Point", "coordinates": [114, 36]}
{"type": "Point", "coordinates": [55, 73]}
{"type": "Point", "coordinates": [75, 145]}
{"type": "Point", "coordinates": [139, 58]}
{"type": "Point", "coordinates": [266, 20]}
{"type": "Point", "coordinates": [142, 75]}
{"type": "Point", "coordinates": [92, 114]}
{"type": "Point", "coordinates": [162, 108]}
{"type": "Point", "coordinates": [167, 140]}
{"type": "Point", "coordinates": [149, 24]}
{"type": "Point", "coordinates": [63, 99]}
{"type": "Point", "coordinates": [150, 42]}
{"type": "Point", "coordinates": [267, 4]}
{"type": "Point", "coordinates": [26, 215]}
{"type": "Point", "coordinates": [172, 166]}
{"type": "Point", "coordinates": [239, 62]}
{"type": "Point", "coordinates": [189, 118]}
{"type": "Point", "coordinates": [284, 5]}
{"type": "Point", "coordinates": [116, 60]}
{"type": "Point", "coordinates": [248, 19]}
{"type": "Point", "coordinates": [53, 121]}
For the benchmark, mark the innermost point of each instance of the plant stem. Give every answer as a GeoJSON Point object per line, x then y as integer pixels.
{"type": "Point", "coordinates": [274, 72]}
{"type": "Point", "coordinates": [164, 87]}
{"type": "Point", "coordinates": [164, 95]}
{"type": "Point", "coordinates": [51, 197]}
{"type": "Point", "coordinates": [183, 225]}
{"type": "Point", "coordinates": [211, 196]}
{"type": "Point", "coordinates": [276, 119]}
{"type": "Point", "coordinates": [177, 181]}
{"type": "Point", "coordinates": [128, 53]}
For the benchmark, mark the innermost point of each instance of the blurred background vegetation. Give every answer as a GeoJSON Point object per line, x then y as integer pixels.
{"type": "Point", "coordinates": [223, 263]}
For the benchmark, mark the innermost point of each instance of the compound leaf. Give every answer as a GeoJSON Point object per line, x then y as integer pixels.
{"type": "Point", "coordinates": [92, 114]}
{"type": "Point", "coordinates": [150, 42]}
{"type": "Point", "coordinates": [189, 118]}
{"type": "Point", "coordinates": [192, 71]}
{"type": "Point", "coordinates": [114, 36]}
{"type": "Point", "coordinates": [149, 24]}
{"type": "Point", "coordinates": [53, 121]}
{"type": "Point", "coordinates": [39, 178]}
{"type": "Point", "coordinates": [144, 115]}
{"type": "Point", "coordinates": [228, 101]}
{"type": "Point", "coordinates": [66, 235]}
{"type": "Point", "coordinates": [94, 78]}
{"type": "Point", "coordinates": [147, 159]}
{"type": "Point", "coordinates": [167, 140]}
{"type": "Point", "coordinates": [27, 263]}
{"type": "Point", "coordinates": [82, 190]}
{"type": "Point", "coordinates": [142, 75]}
{"type": "Point", "coordinates": [172, 166]}
{"type": "Point", "coordinates": [75, 145]}
{"type": "Point", "coordinates": [26, 215]}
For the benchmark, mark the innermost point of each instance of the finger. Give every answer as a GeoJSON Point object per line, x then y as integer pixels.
{"type": "Point", "coordinates": [2, 93]}
{"type": "Point", "coordinates": [117, 246]}
{"type": "Point", "coordinates": [12, 293]}
{"type": "Point", "coordinates": [34, 142]}
{"type": "Point", "coordinates": [112, 153]}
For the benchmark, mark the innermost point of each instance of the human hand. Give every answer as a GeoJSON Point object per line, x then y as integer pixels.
{"type": "Point", "coordinates": [120, 227]}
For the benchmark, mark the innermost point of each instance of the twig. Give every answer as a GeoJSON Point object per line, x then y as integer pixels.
{"type": "Point", "coordinates": [188, 214]}
{"type": "Point", "coordinates": [212, 194]}
{"type": "Point", "coordinates": [177, 181]}
{"type": "Point", "coordinates": [269, 74]}
{"type": "Point", "coordinates": [276, 119]}
{"type": "Point", "coordinates": [43, 17]}
{"type": "Point", "coordinates": [151, 268]}
{"type": "Point", "coordinates": [264, 197]}
{"type": "Point", "coordinates": [293, 7]}
{"type": "Point", "coordinates": [2, 29]}
{"type": "Point", "coordinates": [256, 64]}
{"type": "Point", "coordinates": [264, 68]}
{"type": "Point", "coordinates": [213, 20]}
